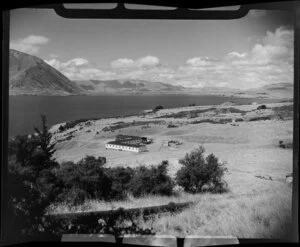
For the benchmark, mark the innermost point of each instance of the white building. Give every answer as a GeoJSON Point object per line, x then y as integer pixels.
{"type": "Point", "coordinates": [117, 145]}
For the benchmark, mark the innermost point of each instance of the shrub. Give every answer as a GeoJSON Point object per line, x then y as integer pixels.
{"type": "Point", "coordinates": [204, 121]}
{"type": "Point", "coordinates": [225, 120]}
{"type": "Point", "coordinates": [72, 124]}
{"type": "Point", "coordinates": [159, 107]}
{"type": "Point", "coordinates": [172, 126]}
{"type": "Point", "coordinates": [84, 180]}
{"type": "Point", "coordinates": [199, 173]}
{"type": "Point", "coordinates": [120, 178]}
{"type": "Point", "coordinates": [259, 118]}
{"type": "Point", "coordinates": [261, 107]}
{"type": "Point", "coordinates": [153, 180]}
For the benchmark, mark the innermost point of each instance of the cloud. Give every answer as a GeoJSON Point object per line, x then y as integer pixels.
{"type": "Point", "coordinates": [76, 62]}
{"type": "Point", "coordinates": [124, 63]}
{"type": "Point", "coordinates": [31, 44]}
{"type": "Point", "coordinates": [147, 61]}
{"type": "Point", "coordinates": [199, 61]}
{"type": "Point", "coordinates": [270, 60]}
{"type": "Point", "coordinates": [79, 69]}
{"type": "Point", "coordinates": [234, 55]}
{"type": "Point", "coordinates": [275, 47]}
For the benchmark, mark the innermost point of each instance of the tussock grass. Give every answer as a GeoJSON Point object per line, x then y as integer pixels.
{"type": "Point", "coordinates": [130, 202]}
{"type": "Point", "coordinates": [244, 213]}
{"type": "Point", "coordinates": [249, 216]}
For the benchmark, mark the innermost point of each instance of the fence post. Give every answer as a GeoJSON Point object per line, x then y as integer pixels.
{"type": "Point", "coordinates": [180, 242]}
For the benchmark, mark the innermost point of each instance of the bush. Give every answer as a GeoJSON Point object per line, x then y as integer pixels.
{"type": "Point", "coordinates": [172, 126]}
{"type": "Point", "coordinates": [84, 180]}
{"type": "Point", "coordinates": [261, 107]}
{"type": "Point", "coordinates": [157, 108]}
{"type": "Point", "coordinates": [120, 178]}
{"type": "Point", "coordinates": [259, 118]}
{"type": "Point", "coordinates": [72, 124]}
{"type": "Point", "coordinates": [200, 174]}
{"type": "Point", "coordinates": [153, 180]}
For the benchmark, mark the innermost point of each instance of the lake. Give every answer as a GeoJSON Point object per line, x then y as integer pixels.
{"type": "Point", "coordinates": [24, 111]}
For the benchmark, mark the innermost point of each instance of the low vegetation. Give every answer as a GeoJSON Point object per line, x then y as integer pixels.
{"type": "Point", "coordinates": [122, 125]}
{"type": "Point", "coordinates": [244, 216]}
{"type": "Point", "coordinates": [285, 112]}
{"type": "Point", "coordinates": [259, 118]}
{"type": "Point", "coordinates": [72, 124]}
{"type": "Point", "coordinates": [230, 110]}
{"type": "Point", "coordinates": [285, 144]}
{"type": "Point", "coordinates": [187, 114]}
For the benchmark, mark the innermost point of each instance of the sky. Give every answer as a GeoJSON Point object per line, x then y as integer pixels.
{"type": "Point", "coordinates": [250, 52]}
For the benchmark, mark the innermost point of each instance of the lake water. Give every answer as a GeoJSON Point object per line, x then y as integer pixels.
{"type": "Point", "coordinates": [24, 111]}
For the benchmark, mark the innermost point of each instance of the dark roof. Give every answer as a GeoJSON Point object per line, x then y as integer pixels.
{"type": "Point", "coordinates": [120, 143]}
{"type": "Point", "coordinates": [127, 137]}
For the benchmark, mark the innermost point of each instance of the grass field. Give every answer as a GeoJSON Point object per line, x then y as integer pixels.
{"type": "Point", "coordinates": [254, 207]}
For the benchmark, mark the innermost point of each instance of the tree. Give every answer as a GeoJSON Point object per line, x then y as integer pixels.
{"type": "Point", "coordinates": [32, 183]}
{"type": "Point", "coordinates": [153, 180]}
{"type": "Point", "coordinates": [199, 173]}
{"type": "Point", "coordinates": [45, 139]}
{"type": "Point", "coordinates": [83, 180]}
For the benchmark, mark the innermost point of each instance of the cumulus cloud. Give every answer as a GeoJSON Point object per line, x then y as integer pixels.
{"type": "Point", "coordinates": [30, 44]}
{"type": "Point", "coordinates": [122, 63]}
{"type": "Point", "coordinates": [270, 60]}
{"type": "Point", "coordinates": [146, 61]}
{"type": "Point", "coordinates": [200, 61]}
{"type": "Point", "coordinates": [79, 69]}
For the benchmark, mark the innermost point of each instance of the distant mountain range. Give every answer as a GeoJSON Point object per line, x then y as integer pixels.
{"type": "Point", "coordinates": [276, 90]}
{"type": "Point", "coordinates": [30, 75]}
{"type": "Point", "coordinates": [128, 87]}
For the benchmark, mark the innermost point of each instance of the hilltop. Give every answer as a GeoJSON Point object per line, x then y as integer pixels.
{"type": "Point", "coordinates": [30, 75]}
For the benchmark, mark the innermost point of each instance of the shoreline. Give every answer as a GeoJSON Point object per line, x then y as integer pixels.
{"type": "Point", "coordinates": [178, 123]}
{"type": "Point", "coordinates": [237, 100]}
